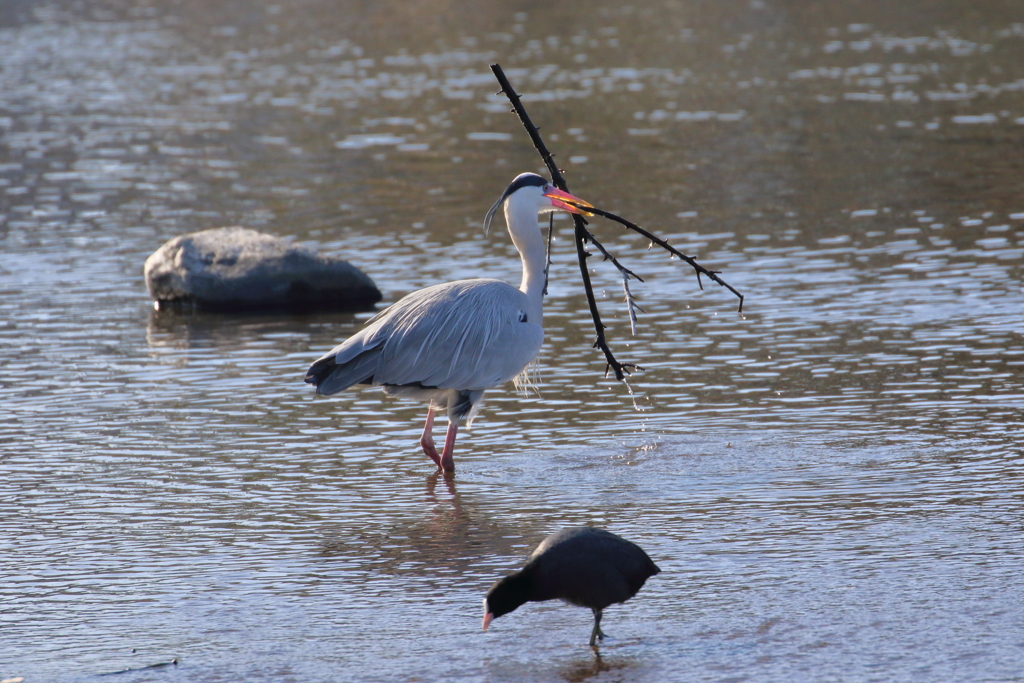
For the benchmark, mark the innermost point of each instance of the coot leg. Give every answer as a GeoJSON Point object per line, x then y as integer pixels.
{"type": "Point", "coordinates": [597, 632]}
{"type": "Point", "coordinates": [427, 440]}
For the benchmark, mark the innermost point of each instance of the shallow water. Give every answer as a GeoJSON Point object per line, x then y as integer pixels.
{"type": "Point", "coordinates": [831, 481]}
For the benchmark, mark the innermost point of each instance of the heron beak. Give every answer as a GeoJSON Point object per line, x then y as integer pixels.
{"type": "Point", "coordinates": [488, 618]}
{"type": "Point", "coordinates": [567, 202]}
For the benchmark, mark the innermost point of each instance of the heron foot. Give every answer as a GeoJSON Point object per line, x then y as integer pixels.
{"type": "Point", "coordinates": [446, 463]}
{"type": "Point", "coordinates": [427, 440]}
{"type": "Point", "coordinates": [428, 447]}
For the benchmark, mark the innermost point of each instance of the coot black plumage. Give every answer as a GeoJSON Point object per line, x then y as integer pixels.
{"type": "Point", "coordinates": [584, 566]}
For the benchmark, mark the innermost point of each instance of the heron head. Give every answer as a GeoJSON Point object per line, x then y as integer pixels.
{"type": "Point", "coordinates": [530, 187]}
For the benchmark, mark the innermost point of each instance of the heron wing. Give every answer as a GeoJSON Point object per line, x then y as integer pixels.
{"type": "Point", "coordinates": [469, 334]}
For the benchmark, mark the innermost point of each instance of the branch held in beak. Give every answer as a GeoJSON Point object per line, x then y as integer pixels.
{"type": "Point", "coordinates": [567, 202]}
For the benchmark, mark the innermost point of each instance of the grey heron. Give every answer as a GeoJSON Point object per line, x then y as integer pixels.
{"type": "Point", "coordinates": [584, 566]}
{"type": "Point", "coordinates": [447, 344]}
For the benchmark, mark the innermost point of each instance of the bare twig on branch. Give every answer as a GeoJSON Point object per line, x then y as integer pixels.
{"type": "Point", "coordinates": [631, 304]}
{"type": "Point", "coordinates": [583, 235]}
{"type": "Point", "coordinates": [699, 269]}
{"type": "Point", "coordinates": [626, 272]}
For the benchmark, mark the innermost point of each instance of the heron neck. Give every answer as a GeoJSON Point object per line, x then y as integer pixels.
{"type": "Point", "coordinates": [526, 235]}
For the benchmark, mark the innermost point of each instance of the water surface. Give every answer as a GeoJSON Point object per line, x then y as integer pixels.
{"type": "Point", "coordinates": [831, 480]}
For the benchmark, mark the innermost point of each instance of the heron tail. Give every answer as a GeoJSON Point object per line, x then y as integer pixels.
{"type": "Point", "coordinates": [329, 376]}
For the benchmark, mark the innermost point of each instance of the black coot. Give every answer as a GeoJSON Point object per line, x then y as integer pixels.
{"type": "Point", "coordinates": [584, 566]}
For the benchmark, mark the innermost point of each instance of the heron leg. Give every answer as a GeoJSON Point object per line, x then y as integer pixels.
{"type": "Point", "coordinates": [597, 632]}
{"type": "Point", "coordinates": [447, 460]}
{"type": "Point", "coordinates": [427, 440]}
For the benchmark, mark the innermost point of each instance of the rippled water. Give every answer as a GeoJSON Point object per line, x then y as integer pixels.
{"type": "Point", "coordinates": [830, 481]}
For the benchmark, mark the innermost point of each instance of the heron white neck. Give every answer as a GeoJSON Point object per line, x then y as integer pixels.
{"type": "Point", "coordinates": [526, 235]}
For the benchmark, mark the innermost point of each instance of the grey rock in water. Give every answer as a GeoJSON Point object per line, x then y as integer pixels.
{"type": "Point", "coordinates": [238, 269]}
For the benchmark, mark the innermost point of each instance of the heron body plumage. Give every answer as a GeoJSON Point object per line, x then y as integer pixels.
{"type": "Point", "coordinates": [447, 344]}
{"type": "Point", "coordinates": [480, 336]}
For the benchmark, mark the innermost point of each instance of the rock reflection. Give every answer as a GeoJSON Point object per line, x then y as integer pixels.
{"type": "Point", "coordinates": [187, 328]}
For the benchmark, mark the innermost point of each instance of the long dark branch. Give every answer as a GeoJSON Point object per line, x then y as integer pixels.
{"type": "Point", "coordinates": [579, 225]}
